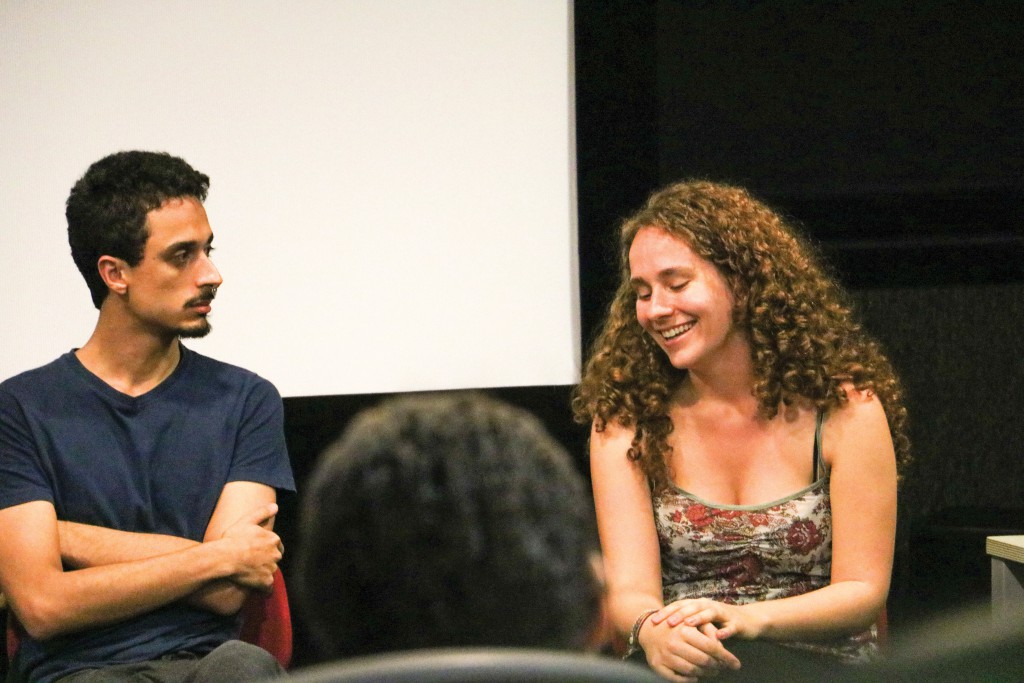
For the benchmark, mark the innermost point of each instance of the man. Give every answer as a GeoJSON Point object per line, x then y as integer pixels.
{"type": "Point", "coordinates": [138, 478]}
{"type": "Point", "coordinates": [448, 521]}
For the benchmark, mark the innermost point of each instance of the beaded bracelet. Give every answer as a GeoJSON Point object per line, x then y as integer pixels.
{"type": "Point", "coordinates": [633, 645]}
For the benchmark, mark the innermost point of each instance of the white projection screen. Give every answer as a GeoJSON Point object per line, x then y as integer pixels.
{"type": "Point", "coordinates": [392, 181]}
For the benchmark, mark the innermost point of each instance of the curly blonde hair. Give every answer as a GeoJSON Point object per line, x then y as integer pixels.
{"type": "Point", "coordinates": [804, 341]}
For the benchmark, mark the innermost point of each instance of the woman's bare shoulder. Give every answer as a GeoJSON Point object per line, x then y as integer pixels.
{"type": "Point", "coordinates": [860, 404]}
{"type": "Point", "coordinates": [610, 432]}
{"type": "Point", "coordinates": [858, 426]}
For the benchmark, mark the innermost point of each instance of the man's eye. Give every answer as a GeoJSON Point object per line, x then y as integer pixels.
{"type": "Point", "coordinates": [209, 249]}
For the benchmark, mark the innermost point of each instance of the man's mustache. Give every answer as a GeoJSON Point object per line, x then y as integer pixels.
{"type": "Point", "coordinates": [207, 295]}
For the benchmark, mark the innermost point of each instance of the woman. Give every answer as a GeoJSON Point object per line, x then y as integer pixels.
{"type": "Point", "coordinates": [745, 434]}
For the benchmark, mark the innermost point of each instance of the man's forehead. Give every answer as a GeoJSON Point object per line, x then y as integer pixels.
{"type": "Point", "coordinates": [179, 219]}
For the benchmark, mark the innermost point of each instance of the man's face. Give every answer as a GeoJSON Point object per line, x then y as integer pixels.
{"type": "Point", "coordinates": [170, 291]}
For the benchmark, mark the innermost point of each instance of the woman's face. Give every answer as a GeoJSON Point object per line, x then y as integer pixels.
{"type": "Point", "coordinates": [682, 301]}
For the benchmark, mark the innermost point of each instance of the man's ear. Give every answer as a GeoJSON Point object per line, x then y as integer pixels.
{"type": "Point", "coordinates": [112, 270]}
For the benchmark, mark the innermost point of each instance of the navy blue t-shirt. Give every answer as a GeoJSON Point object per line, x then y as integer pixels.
{"type": "Point", "coordinates": [155, 463]}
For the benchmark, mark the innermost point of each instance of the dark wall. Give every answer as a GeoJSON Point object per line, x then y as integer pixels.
{"type": "Point", "coordinates": [617, 143]}
{"type": "Point", "coordinates": [816, 98]}
{"type": "Point", "coordinates": [893, 131]}
{"type": "Point", "coordinates": [895, 138]}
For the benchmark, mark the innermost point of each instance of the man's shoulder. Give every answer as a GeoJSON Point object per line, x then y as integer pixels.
{"type": "Point", "coordinates": [206, 367]}
{"type": "Point", "coordinates": [39, 378]}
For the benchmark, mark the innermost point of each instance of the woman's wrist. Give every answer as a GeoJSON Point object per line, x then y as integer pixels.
{"type": "Point", "coordinates": [752, 623]}
{"type": "Point", "coordinates": [633, 644]}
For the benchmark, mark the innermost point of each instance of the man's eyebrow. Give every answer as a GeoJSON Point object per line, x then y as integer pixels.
{"type": "Point", "coordinates": [184, 244]}
{"type": "Point", "coordinates": [187, 244]}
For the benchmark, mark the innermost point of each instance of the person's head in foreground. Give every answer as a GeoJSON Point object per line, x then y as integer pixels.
{"type": "Point", "coordinates": [447, 520]}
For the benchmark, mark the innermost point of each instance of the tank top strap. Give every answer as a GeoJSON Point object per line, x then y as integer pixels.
{"type": "Point", "coordinates": [820, 470]}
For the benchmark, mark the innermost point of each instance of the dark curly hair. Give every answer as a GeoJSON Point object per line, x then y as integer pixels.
{"type": "Point", "coordinates": [804, 341]}
{"type": "Point", "coordinates": [447, 520]}
{"type": "Point", "coordinates": [107, 207]}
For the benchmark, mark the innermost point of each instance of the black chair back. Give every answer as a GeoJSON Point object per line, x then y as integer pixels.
{"type": "Point", "coordinates": [478, 665]}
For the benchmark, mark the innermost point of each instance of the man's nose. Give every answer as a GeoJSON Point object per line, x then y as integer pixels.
{"type": "Point", "coordinates": [209, 275]}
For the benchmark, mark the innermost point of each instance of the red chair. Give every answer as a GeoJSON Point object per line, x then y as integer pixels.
{"type": "Point", "coordinates": [266, 622]}
{"type": "Point", "coordinates": [13, 635]}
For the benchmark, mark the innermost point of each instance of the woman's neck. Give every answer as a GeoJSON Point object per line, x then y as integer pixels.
{"type": "Point", "coordinates": [728, 378]}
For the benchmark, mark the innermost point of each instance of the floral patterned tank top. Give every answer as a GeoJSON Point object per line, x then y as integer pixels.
{"type": "Point", "coordinates": [746, 553]}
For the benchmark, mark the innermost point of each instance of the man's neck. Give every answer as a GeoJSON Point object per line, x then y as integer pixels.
{"type": "Point", "coordinates": [129, 360]}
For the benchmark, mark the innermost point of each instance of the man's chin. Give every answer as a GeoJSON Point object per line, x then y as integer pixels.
{"type": "Point", "coordinates": [195, 332]}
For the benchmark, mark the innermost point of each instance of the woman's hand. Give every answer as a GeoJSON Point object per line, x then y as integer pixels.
{"type": "Point", "coordinates": [684, 653]}
{"type": "Point", "coordinates": [728, 620]}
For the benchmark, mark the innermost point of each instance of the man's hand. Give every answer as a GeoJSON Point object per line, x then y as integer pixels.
{"type": "Point", "coordinates": [255, 549]}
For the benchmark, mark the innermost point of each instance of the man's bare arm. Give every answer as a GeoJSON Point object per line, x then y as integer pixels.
{"type": "Point", "coordinates": [50, 601]}
{"type": "Point", "coordinates": [83, 545]}
{"type": "Point", "coordinates": [236, 501]}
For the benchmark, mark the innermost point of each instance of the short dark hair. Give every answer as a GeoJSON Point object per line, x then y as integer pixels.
{"type": "Point", "coordinates": [107, 207]}
{"type": "Point", "coordinates": [447, 520]}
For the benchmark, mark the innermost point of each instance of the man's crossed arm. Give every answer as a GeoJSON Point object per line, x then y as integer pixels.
{"type": "Point", "coordinates": [122, 574]}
